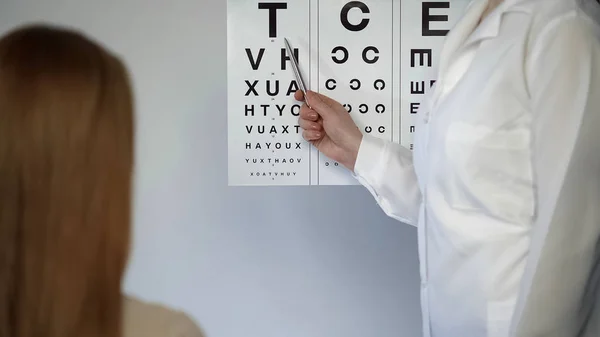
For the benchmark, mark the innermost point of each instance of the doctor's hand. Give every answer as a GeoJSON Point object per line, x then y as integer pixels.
{"type": "Point", "coordinates": [329, 127]}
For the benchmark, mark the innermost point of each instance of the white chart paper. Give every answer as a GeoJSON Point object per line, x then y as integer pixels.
{"type": "Point", "coordinates": [377, 57]}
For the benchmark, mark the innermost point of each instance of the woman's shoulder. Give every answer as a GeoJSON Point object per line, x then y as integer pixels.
{"type": "Point", "coordinates": [144, 319]}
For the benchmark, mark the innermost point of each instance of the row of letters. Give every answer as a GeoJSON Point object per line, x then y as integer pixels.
{"type": "Point", "coordinates": [266, 110]}
{"type": "Point", "coordinates": [424, 56]}
{"type": "Point", "coordinates": [273, 161]}
{"type": "Point", "coordinates": [426, 17]}
{"type": "Point", "coordinates": [273, 87]}
{"type": "Point", "coordinates": [295, 129]}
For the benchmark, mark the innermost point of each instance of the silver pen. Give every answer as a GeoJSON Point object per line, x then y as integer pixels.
{"type": "Point", "coordinates": [296, 70]}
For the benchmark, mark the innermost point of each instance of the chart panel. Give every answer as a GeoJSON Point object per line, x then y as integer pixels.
{"type": "Point", "coordinates": [265, 142]}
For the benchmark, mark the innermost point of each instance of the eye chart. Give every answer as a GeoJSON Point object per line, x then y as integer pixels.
{"type": "Point", "coordinates": [376, 57]}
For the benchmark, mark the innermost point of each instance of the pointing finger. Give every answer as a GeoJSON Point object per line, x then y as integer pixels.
{"type": "Point", "coordinates": [311, 135]}
{"type": "Point", "coordinates": [318, 104]}
{"type": "Point", "coordinates": [308, 113]}
{"type": "Point", "coordinates": [299, 95]}
{"type": "Point", "coordinates": [309, 126]}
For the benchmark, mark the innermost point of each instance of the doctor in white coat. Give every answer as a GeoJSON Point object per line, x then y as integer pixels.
{"type": "Point", "coordinates": [504, 180]}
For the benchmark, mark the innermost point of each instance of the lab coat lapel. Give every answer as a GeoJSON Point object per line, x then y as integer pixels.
{"type": "Point", "coordinates": [457, 35]}
{"type": "Point", "coordinates": [468, 30]}
{"type": "Point", "coordinates": [488, 29]}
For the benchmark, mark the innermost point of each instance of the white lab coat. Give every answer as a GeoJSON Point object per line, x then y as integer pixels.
{"type": "Point", "coordinates": [504, 180]}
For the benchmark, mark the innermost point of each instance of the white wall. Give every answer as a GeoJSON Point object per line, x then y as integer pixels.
{"type": "Point", "coordinates": [252, 262]}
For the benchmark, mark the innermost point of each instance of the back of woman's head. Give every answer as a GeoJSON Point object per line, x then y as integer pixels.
{"type": "Point", "coordinates": [65, 169]}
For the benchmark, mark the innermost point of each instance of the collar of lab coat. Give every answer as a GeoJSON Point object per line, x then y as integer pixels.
{"type": "Point", "coordinates": [468, 30]}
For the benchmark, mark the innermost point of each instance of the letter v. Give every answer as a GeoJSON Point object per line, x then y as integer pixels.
{"type": "Point", "coordinates": [255, 63]}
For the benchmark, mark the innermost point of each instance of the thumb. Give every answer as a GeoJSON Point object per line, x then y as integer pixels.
{"type": "Point", "coordinates": [318, 103]}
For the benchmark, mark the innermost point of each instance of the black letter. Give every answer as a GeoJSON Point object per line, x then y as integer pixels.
{"type": "Point", "coordinates": [251, 88]}
{"type": "Point", "coordinates": [414, 87]}
{"type": "Point", "coordinates": [344, 16]}
{"type": "Point", "coordinates": [269, 88]}
{"type": "Point", "coordinates": [285, 57]}
{"type": "Point", "coordinates": [381, 82]}
{"type": "Point", "coordinates": [427, 18]}
{"type": "Point", "coordinates": [295, 113]}
{"type": "Point", "coordinates": [255, 64]}
{"type": "Point", "coordinates": [293, 88]}
{"type": "Point", "coordinates": [414, 108]}
{"type": "Point", "coordinates": [264, 106]}
{"type": "Point", "coordinates": [375, 59]}
{"type": "Point", "coordinates": [335, 50]}
{"type": "Point", "coordinates": [328, 86]}
{"type": "Point", "coordinates": [280, 109]}
{"type": "Point", "coordinates": [363, 108]}
{"type": "Point", "coordinates": [250, 110]}
{"type": "Point", "coordinates": [421, 52]}
{"type": "Point", "coordinates": [272, 7]}
{"type": "Point", "coordinates": [357, 84]}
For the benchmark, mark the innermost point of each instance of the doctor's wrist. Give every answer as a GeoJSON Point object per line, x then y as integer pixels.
{"type": "Point", "coordinates": [352, 149]}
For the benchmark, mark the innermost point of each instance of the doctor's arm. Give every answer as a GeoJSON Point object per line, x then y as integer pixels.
{"type": "Point", "coordinates": [564, 79]}
{"type": "Point", "coordinates": [386, 170]}
{"type": "Point", "coordinates": [383, 167]}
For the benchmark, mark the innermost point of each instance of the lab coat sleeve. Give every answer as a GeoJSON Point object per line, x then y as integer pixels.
{"type": "Point", "coordinates": [564, 81]}
{"type": "Point", "coordinates": [386, 170]}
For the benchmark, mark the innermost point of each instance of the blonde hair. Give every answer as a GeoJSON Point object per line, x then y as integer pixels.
{"type": "Point", "coordinates": [66, 149]}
